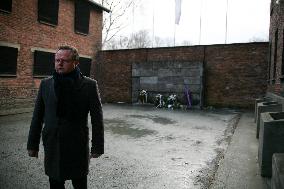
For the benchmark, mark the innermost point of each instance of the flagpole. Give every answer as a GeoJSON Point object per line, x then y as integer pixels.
{"type": "Point", "coordinates": [153, 26]}
{"type": "Point", "coordinates": [200, 21]}
{"type": "Point", "coordinates": [177, 17]}
{"type": "Point", "coordinates": [133, 21]}
{"type": "Point", "coordinates": [226, 30]}
{"type": "Point", "coordinates": [175, 35]}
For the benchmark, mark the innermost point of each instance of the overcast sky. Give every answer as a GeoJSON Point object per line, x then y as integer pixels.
{"type": "Point", "coordinates": [247, 19]}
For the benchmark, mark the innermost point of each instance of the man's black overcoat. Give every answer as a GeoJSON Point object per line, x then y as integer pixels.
{"type": "Point", "coordinates": [66, 141]}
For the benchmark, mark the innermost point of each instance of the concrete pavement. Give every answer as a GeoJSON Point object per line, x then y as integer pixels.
{"type": "Point", "coordinates": [150, 148]}
{"type": "Point", "coordinates": [239, 169]}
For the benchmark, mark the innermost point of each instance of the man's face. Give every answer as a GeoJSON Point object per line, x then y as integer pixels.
{"type": "Point", "coordinates": [63, 62]}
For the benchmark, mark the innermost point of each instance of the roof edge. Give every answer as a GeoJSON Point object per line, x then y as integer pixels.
{"type": "Point", "coordinates": [99, 6]}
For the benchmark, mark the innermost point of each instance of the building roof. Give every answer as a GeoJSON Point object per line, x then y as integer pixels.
{"type": "Point", "coordinates": [99, 6]}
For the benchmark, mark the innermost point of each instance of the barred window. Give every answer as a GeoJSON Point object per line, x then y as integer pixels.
{"type": "Point", "coordinates": [6, 6]}
{"type": "Point", "coordinates": [8, 60]}
{"type": "Point", "coordinates": [48, 11]}
{"type": "Point", "coordinates": [82, 17]}
{"type": "Point", "coordinates": [85, 66]}
{"type": "Point", "coordinates": [43, 63]}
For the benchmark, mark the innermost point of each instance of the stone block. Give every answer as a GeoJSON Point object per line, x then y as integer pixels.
{"type": "Point", "coordinates": [135, 95]}
{"type": "Point", "coordinates": [149, 87]}
{"type": "Point", "coordinates": [147, 72]}
{"type": "Point", "coordinates": [277, 180]}
{"type": "Point", "coordinates": [149, 83]}
{"type": "Point", "coordinates": [163, 65]}
{"type": "Point", "coordinates": [271, 140]}
{"type": "Point", "coordinates": [190, 72]}
{"type": "Point", "coordinates": [156, 65]}
{"type": "Point", "coordinates": [258, 100]}
{"type": "Point", "coordinates": [178, 88]}
{"type": "Point", "coordinates": [146, 65]}
{"type": "Point", "coordinates": [161, 88]}
{"type": "Point", "coordinates": [149, 80]}
{"type": "Point", "coordinates": [191, 80]}
{"type": "Point", "coordinates": [136, 73]}
{"type": "Point", "coordinates": [270, 106]}
{"type": "Point", "coordinates": [194, 88]}
{"type": "Point", "coordinates": [135, 88]}
{"type": "Point", "coordinates": [169, 86]}
{"type": "Point", "coordinates": [191, 64]}
{"type": "Point", "coordinates": [170, 79]}
{"type": "Point", "coordinates": [135, 65]}
{"type": "Point", "coordinates": [176, 72]}
{"type": "Point", "coordinates": [165, 72]}
{"type": "Point", "coordinates": [135, 83]}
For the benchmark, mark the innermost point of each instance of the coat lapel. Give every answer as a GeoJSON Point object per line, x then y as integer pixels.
{"type": "Point", "coordinates": [52, 91]}
{"type": "Point", "coordinates": [79, 83]}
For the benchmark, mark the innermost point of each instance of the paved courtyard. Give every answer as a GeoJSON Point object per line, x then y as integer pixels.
{"type": "Point", "coordinates": [145, 147]}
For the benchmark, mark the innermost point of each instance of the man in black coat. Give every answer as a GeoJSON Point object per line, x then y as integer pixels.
{"type": "Point", "coordinates": [62, 106]}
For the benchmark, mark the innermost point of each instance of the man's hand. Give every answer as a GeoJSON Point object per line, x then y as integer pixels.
{"type": "Point", "coordinates": [95, 155]}
{"type": "Point", "coordinates": [33, 153]}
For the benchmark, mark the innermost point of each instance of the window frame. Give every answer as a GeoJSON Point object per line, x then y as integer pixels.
{"type": "Point", "coordinates": [10, 6]}
{"type": "Point", "coordinates": [86, 70]}
{"type": "Point", "coordinates": [83, 60]}
{"type": "Point", "coordinates": [13, 72]}
{"type": "Point", "coordinates": [37, 66]}
{"type": "Point", "coordinates": [81, 16]}
{"type": "Point", "coordinates": [50, 18]}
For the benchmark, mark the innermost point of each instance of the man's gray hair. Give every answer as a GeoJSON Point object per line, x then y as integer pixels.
{"type": "Point", "coordinates": [75, 54]}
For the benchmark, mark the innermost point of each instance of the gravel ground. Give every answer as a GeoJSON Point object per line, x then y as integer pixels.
{"type": "Point", "coordinates": [145, 147]}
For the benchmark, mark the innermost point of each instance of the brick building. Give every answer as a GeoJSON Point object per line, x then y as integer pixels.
{"type": "Point", "coordinates": [30, 32]}
{"type": "Point", "coordinates": [276, 51]}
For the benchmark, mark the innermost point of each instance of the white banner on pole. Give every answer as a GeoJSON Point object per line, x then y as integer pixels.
{"type": "Point", "coordinates": [177, 11]}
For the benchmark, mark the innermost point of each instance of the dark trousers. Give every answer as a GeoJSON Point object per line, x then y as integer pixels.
{"type": "Point", "coordinates": [80, 183]}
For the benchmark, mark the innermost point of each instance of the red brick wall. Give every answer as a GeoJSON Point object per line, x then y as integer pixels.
{"type": "Point", "coordinates": [234, 74]}
{"type": "Point", "coordinates": [22, 28]}
{"type": "Point", "coordinates": [276, 83]}
{"type": "Point", "coordinates": [114, 67]}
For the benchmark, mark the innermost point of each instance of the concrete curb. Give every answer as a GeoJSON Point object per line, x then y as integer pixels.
{"type": "Point", "coordinates": [239, 168]}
